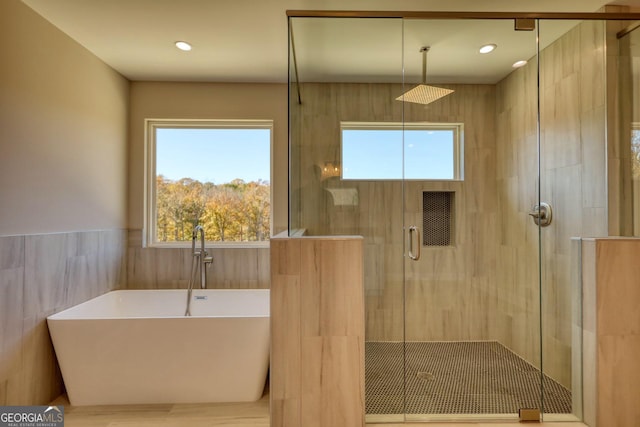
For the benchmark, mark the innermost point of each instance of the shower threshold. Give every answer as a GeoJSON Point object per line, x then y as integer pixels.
{"type": "Point", "coordinates": [455, 380]}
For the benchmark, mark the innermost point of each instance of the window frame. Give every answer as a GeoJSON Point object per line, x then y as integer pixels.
{"type": "Point", "coordinates": [150, 211]}
{"type": "Point", "coordinates": [458, 145]}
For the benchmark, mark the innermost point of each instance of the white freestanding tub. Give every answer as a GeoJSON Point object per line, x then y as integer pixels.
{"type": "Point", "coordinates": [137, 347]}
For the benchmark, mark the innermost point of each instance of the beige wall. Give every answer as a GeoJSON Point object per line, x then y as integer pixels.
{"type": "Point", "coordinates": [63, 172]}
{"type": "Point", "coordinates": [154, 268]}
{"type": "Point", "coordinates": [160, 100]}
{"type": "Point", "coordinates": [517, 153]}
{"type": "Point", "coordinates": [63, 137]}
{"type": "Point", "coordinates": [457, 282]}
{"type": "Point", "coordinates": [170, 268]}
{"type": "Point", "coordinates": [39, 276]}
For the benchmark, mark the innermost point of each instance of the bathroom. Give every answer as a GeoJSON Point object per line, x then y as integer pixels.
{"type": "Point", "coordinates": [73, 199]}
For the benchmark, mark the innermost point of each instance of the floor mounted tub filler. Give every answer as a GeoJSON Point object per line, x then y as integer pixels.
{"type": "Point", "coordinates": [138, 347]}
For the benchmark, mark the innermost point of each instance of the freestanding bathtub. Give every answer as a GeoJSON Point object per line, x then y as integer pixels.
{"type": "Point", "coordinates": [137, 347]}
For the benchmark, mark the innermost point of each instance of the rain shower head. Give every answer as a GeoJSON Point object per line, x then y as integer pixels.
{"type": "Point", "coordinates": [423, 93]}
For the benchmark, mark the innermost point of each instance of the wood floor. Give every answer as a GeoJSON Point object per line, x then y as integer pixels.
{"type": "Point", "coordinates": [254, 414]}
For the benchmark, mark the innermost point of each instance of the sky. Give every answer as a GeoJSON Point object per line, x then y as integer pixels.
{"type": "Point", "coordinates": [377, 154]}
{"type": "Point", "coordinates": [213, 155]}
{"type": "Point", "coordinates": [222, 155]}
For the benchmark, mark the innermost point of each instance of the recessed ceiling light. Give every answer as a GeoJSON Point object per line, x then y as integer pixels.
{"type": "Point", "coordinates": [519, 64]}
{"type": "Point", "coordinates": [488, 48]}
{"type": "Point", "coordinates": [183, 45]}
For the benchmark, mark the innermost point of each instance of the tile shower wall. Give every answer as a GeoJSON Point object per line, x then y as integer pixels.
{"type": "Point", "coordinates": [169, 268]}
{"type": "Point", "coordinates": [41, 275]}
{"type": "Point", "coordinates": [574, 181]}
{"type": "Point", "coordinates": [486, 286]}
{"type": "Point", "coordinates": [457, 282]}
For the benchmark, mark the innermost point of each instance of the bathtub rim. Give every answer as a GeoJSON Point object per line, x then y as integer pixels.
{"type": "Point", "coordinates": [63, 315]}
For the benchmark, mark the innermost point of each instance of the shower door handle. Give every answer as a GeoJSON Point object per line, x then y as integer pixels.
{"type": "Point", "coordinates": [414, 255]}
{"type": "Point", "coordinates": [542, 214]}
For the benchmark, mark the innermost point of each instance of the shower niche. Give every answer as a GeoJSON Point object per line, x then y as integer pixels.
{"type": "Point", "coordinates": [438, 218]}
{"type": "Point", "coordinates": [472, 311]}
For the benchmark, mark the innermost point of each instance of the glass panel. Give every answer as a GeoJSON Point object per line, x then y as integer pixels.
{"type": "Point", "coordinates": [472, 325]}
{"type": "Point", "coordinates": [350, 70]}
{"type": "Point", "coordinates": [628, 195]}
{"type": "Point", "coordinates": [429, 154]}
{"type": "Point", "coordinates": [573, 174]}
{"type": "Point", "coordinates": [295, 129]}
{"type": "Point", "coordinates": [489, 291]}
{"type": "Point", "coordinates": [587, 176]}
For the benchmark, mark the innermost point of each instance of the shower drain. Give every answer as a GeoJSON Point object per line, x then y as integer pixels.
{"type": "Point", "coordinates": [425, 376]}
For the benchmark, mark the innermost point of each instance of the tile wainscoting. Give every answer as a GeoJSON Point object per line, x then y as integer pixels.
{"type": "Point", "coordinates": [41, 275]}
{"type": "Point", "coordinates": [45, 273]}
{"type": "Point", "coordinates": [169, 268]}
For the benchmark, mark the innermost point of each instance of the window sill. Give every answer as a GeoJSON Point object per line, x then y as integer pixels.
{"type": "Point", "coordinates": [212, 245]}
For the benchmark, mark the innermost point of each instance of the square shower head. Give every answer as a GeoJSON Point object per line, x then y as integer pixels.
{"type": "Point", "coordinates": [424, 94]}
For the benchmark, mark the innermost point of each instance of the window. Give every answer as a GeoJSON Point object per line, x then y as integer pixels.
{"type": "Point", "coordinates": [375, 151]}
{"type": "Point", "coordinates": [211, 173]}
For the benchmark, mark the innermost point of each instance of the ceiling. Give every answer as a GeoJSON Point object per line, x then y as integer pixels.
{"type": "Point", "coordinates": [376, 51]}
{"type": "Point", "coordinates": [246, 40]}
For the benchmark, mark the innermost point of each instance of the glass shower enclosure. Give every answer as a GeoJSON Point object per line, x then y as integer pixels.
{"type": "Point", "coordinates": [468, 174]}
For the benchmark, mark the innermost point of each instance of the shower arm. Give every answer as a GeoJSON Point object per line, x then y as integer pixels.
{"type": "Point", "coordinates": [424, 51]}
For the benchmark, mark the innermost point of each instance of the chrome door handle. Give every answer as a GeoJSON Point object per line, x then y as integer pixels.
{"type": "Point", "coordinates": [414, 230]}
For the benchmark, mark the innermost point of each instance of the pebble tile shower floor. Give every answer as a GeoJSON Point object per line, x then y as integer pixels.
{"type": "Point", "coordinates": [455, 378]}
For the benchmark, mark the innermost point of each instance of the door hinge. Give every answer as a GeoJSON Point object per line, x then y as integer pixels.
{"type": "Point", "coordinates": [529, 415]}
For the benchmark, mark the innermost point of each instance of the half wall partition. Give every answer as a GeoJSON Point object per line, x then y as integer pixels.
{"type": "Point", "coordinates": [467, 202]}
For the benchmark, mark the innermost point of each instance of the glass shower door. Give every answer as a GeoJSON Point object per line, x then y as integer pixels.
{"type": "Point", "coordinates": [471, 264]}
{"type": "Point", "coordinates": [346, 172]}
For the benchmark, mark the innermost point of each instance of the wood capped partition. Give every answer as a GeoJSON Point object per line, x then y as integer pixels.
{"type": "Point", "coordinates": [611, 331]}
{"type": "Point", "coordinates": [317, 332]}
